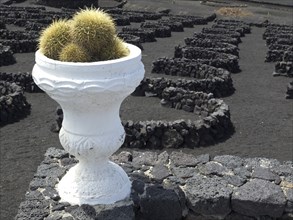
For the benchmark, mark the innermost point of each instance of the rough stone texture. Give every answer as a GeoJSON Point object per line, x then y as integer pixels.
{"type": "Point", "coordinates": [223, 38]}
{"type": "Point", "coordinates": [181, 159]}
{"type": "Point", "coordinates": [229, 161]}
{"type": "Point", "coordinates": [208, 79]}
{"type": "Point", "coordinates": [13, 103]}
{"type": "Point", "coordinates": [161, 30]}
{"type": "Point", "coordinates": [6, 56]}
{"type": "Point", "coordinates": [212, 43]}
{"type": "Point", "coordinates": [283, 68]}
{"type": "Point", "coordinates": [259, 197]}
{"type": "Point", "coordinates": [208, 196]}
{"type": "Point", "coordinates": [171, 186]}
{"type": "Point", "coordinates": [239, 26]}
{"type": "Point", "coordinates": [131, 39]}
{"type": "Point", "coordinates": [159, 203]}
{"type": "Point", "coordinates": [83, 212]}
{"type": "Point", "coordinates": [56, 153]}
{"type": "Point", "coordinates": [19, 41]}
{"type": "Point", "coordinates": [68, 3]}
{"type": "Point", "coordinates": [159, 172]}
{"type": "Point", "coordinates": [289, 195]}
{"type": "Point", "coordinates": [172, 139]}
{"type": "Point", "coordinates": [23, 80]}
{"type": "Point", "coordinates": [265, 174]}
{"type": "Point", "coordinates": [50, 170]}
{"type": "Point", "coordinates": [279, 40]}
{"type": "Point", "coordinates": [183, 173]}
{"type": "Point", "coordinates": [213, 168]}
{"type": "Point", "coordinates": [147, 35]}
{"type": "Point", "coordinates": [209, 56]}
{"type": "Point", "coordinates": [220, 31]}
{"type": "Point", "coordinates": [124, 212]}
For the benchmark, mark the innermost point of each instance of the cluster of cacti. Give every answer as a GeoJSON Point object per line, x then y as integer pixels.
{"type": "Point", "coordinates": [88, 37]}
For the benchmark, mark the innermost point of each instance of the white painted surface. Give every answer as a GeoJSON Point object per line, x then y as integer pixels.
{"type": "Point", "coordinates": [90, 95]}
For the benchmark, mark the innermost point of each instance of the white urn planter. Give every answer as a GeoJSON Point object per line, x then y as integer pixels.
{"type": "Point", "coordinates": [90, 95]}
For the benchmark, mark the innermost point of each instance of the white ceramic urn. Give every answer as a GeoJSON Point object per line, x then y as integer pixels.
{"type": "Point", "coordinates": [90, 95]}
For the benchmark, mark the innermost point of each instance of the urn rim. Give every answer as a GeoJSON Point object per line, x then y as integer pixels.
{"type": "Point", "coordinates": [41, 59]}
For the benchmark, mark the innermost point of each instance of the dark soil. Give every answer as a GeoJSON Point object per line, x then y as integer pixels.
{"type": "Point", "coordinates": [260, 113]}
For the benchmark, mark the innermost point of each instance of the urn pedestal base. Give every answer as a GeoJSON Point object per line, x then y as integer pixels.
{"type": "Point", "coordinates": [102, 183]}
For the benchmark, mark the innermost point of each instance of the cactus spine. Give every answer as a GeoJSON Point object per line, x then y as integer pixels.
{"type": "Point", "coordinates": [55, 37]}
{"type": "Point", "coordinates": [89, 36]}
{"type": "Point", "coordinates": [72, 52]}
{"type": "Point", "coordinates": [114, 51]}
{"type": "Point", "coordinates": [93, 29]}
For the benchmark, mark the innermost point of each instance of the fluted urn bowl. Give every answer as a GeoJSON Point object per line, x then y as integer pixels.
{"type": "Point", "coordinates": [90, 95]}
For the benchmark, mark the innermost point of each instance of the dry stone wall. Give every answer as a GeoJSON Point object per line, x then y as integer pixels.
{"type": "Point", "coordinates": [212, 43]}
{"type": "Point", "coordinates": [222, 38]}
{"type": "Point", "coordinates": [220, 86]}
{"type": "Point", "coordinates": [213, 126]}
{"type": "Point", "coordinates": [172, 186]}
{"type": "Point", "coordinates": [23, 80]}
{"type": "Point", "coordinates": [13, 104]}
{"type": "Point", "coordinates": [6, 56]}
{"type": "Point", "coordinates": [213, 56]}
{"type": "Point", "coordinates": [289, 93]}
{"type": "Point", "coordinates": [279, 39]}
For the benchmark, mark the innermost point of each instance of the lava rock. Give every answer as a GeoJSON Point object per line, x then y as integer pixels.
{"type": "Point", "coordinates": [83, 212]}
{"type": "Point", "coordinates": [258, 198]}
{"type": "Point", "coordinates": [159, 172]}
{"type": "Point", "coordinates": [183, 160]}
{"type": "Point", "coordinates": [208, 196]}
{"type": "Point", "coordinates": [172, 139]}
{"type": "Point", "coordinates": [50, 170]}
{"type": "Point", "coordinates": [160, 204]}
{"type": "Point", "coordinates": [56, 153]}
{"type": "Point", "coordinates": [213, 168]}
{"type": "Point", "coordinates": [229, 161]}
{"type": "Point", "coordinates": [265, 174]}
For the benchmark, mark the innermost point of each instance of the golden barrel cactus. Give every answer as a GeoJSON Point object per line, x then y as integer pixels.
{"type": "Point", "coordinates": [89, 36]}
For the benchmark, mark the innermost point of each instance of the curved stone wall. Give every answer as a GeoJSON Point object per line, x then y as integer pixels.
{"type": "Point", "coordinates": [145, 35]}
{"type": "Point", "coordinates": [6, 56]}
{"type": "Point", "coordinates": [209, 56]}
{"type": "Point", "coordinates": [190, 20]}
{"type": "Point", "coordinates": [212, 43]}
{"type": "Point", "coordinates": [222, 38]}
{"type": "Point", "coordinates": [20, 46]}
{"type": "Point", "coordinates": [13, 104]}
{"type": "Point", "coordinates": [230, 27]}
{"type": "Point", "coordinates": [289, 93]}
{"type": "Point", "coordinates": [68, 3]}
{"type": "Point", "coordinates": [2, 25]}
{"type": "Point", "coordinates": [220, 86]}
{"type": "Point", "coordinates": [121, 20]}
{"type": "Point", "coordinates": [172, 186]}
{"type": "Point", "coordinates": [235, 24]}
{"type": "Point", "coordinates": [213, 126]}
{"type": "Point", "coordinates": [23, 80]}
{"type": "Point", "coordinates": [161, 31]}
{"type": "Point", "coordinates": [134, 17]}
{"type": "Point", "coordinates": [207, 78]}
{"type": "Point", "coordinates": [19, 41]}
{"type": "Point", "coordinates": [279, 39]}
{"type": "Point", "coordinates": [220, 31]}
